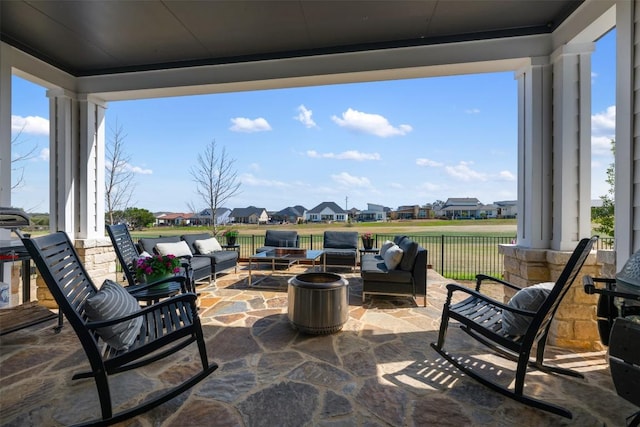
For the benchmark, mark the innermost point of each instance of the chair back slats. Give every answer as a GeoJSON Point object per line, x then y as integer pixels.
{"type": "Point", "coordinates": [125, 249]}
{"type": "Point", "coordinates": [66, 278]}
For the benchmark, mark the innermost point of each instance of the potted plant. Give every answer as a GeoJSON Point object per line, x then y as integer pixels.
{"type": "Point", "coordinates": [367, 240]}
{"type": "Point", "coordinates": [231, 236]}
{"type": "Point", "coordinates": [157, 267]}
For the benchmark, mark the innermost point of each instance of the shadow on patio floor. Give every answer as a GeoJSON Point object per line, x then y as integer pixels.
{"type": "Point", "coordinates": [378, 371]}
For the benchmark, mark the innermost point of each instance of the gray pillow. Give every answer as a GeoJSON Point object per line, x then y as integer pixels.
{"type": "Point", "coordinates": [110, 302]}
{"type": "Point", "coordinates": [530, 298]}
{"type": "Point", "coordinates": [385, 247]}
{"type": "Point", "coordinates": [392, 257]}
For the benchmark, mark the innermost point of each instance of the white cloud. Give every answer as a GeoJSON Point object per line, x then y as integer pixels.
{"type": "Point", "coordinates": [396, 185]}
{"type": "Point", "coordinates": [139, 170]}
{"type": "Point", "coordinates": [242, 124]}
{"type": "Point", "coordinates": [254, 167]}
{"type": "Point", "coordinates": [603, 130]}
{"type": "Point", "coordinates": [373, 124]}
{"type": "Point", "coordinates": [250, 179]}
{"type": "Point", "coordinates": [463, 172]}
{"type": "Point", "coordinates": [304, 117]}
{"type": "Point", "coordinates": [44, 154]}
{"type": "Point", "coordinates": [506, 176]}
{"type": "Point", "coordinates": [33, 125]}
{"type": "Point", "coordinates": [428, 162]}
{"type": "Point", "coordinates": [472, 111]}
{"type": "Point", "coordinates": [348, 180]}
{"type": "Point", "coordinates": [429, 186]}
{"type": "Point", "coordinates": [345, 155]}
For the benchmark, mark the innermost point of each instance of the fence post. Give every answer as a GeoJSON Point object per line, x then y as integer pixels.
{"type": "Point", "coordinates": [442, 254]}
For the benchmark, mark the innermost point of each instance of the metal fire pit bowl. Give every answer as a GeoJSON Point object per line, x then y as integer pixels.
{"type": "Point", "coordinates": [318, 302]}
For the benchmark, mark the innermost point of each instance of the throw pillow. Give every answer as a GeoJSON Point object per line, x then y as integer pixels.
{"type": "Point", "coordinates": [110, 302]}
{"type": "Point", "coordinates": [385, 247]}
{"type": "Point", "coordinates": [410, 249]}
{"type": "Point", "coordinates": [178, 249]}
{"type": "Point", "coordinates": [207, 246]}
{"type": "Point", "coordinates": [530, 298]}
{"type": "Point", "coordinates": [392, 257]}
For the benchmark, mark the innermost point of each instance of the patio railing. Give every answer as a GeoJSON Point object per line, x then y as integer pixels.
{"type": "Point", "coordinates": [454, 257]}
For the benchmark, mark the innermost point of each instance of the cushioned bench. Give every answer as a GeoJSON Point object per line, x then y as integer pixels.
{"type": "Point", "coordinates": [202, 245]}
{"type": "Point", "coordinates": [201, 266]}
{"type": "Point", "coordinates": [398, 270]}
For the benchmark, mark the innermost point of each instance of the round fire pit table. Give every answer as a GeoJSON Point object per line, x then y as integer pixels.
{"type": "Point", "coordinates": [318, 302]}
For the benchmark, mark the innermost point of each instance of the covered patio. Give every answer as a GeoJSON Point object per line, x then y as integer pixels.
{"type": "Point", "coordinates": [378, 371]}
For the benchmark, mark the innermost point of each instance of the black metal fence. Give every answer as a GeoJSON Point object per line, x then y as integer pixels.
{"type": "Point", "coordinates": [454, 257]}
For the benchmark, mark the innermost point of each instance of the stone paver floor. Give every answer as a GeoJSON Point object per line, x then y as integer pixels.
{"type": "Point", "coordinates": [378, 371]}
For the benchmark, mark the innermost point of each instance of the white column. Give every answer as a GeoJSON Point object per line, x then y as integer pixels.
{"type": "Point", "coordinates": [5, 130]}
{"type": "Point", "coordinates": [91, 168]}
{"type": "Point", "coordinates": [63, 173]}
{"type": "Point", "coordinates": [627, 199]}
{"type": "Point", "coordinates": [534, 154]}
{"type": "Point", "coordinates": [571, 145]}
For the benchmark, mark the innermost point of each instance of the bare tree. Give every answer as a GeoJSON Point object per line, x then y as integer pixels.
{"type": "Point", "coordinates": [118, 180]}
{"type": "Point", "coordinates": [17, 167]}
{"type": "Point", "coordinates": [216, 179]}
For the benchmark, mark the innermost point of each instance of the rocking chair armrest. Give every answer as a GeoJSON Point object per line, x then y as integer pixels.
{"type": "Point", "coordinates": [189, 298]}
{"type": "Point", "coordinates": [481, 277]}
{"type": "Point", "coordinates": [589, 284]}
{"type": "Point", "coordinates": [453, 287]}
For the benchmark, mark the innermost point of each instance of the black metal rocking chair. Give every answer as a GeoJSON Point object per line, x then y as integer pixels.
{"type": "Point", "coordinates": [161, 329]}
{"type": "Point", "coordinates": [127, 254]}
{"type": "Point", "coordinates": [482, 318]}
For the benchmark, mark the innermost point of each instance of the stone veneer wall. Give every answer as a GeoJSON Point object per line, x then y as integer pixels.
{"type": "Point", "coordinates": [99, 259]}
{"type": "Point", "coordinates": [574, 325]}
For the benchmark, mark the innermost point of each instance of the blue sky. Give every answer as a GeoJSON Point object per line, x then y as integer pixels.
{"type": "Point", "coordinates": [393, 143]}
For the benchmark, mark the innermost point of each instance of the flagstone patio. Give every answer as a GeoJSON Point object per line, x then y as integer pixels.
{"type": "Point", "coordinates": [378, 371]}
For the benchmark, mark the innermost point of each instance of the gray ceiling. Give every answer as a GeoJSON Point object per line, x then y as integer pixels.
{"type": "Point", "coordinates": [108, 36]}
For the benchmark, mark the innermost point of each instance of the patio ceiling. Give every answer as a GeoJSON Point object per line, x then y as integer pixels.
{"type": "Point", "coordinates": [90, 38]}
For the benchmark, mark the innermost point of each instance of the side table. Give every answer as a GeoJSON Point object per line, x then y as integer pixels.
{"type": "Point", "coordinates": [235, 247]}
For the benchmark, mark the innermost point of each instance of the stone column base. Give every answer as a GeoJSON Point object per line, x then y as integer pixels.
{"type": "Point", "coordinates": [574, 325]}
{"type": "Point", "coordinates": [98, 258]}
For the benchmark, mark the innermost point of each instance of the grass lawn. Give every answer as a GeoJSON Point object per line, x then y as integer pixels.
{"type": "Point", "coordinates": [489, 227]}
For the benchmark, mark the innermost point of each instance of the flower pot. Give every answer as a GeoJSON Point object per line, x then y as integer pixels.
{"type": "Point", "coordinates": [367, 243]}
{"type": "Point", "coordinates": [231, 240]}
{"type": "Point", "coordinates": [155, 277]}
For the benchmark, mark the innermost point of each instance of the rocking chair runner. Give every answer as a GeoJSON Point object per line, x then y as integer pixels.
{"type": "Point", "coordinates": [482, 318]}
{"type": "Point", "coordinates": [162, 328]}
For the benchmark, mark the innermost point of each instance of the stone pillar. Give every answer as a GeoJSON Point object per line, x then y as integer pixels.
{"type": "Point", "coordinates": [574, 325]}
{"type": "Point", "coordinates": [99, 259]}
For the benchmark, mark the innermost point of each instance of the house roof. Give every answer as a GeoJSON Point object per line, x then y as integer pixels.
{"type": "Point", "coordinates": [462, 201]}
{"type": "Point", "coordinates": [327, 205]}
{"type": "Point", "coordinates": [89, 38]}
{"type": "Point", "coordinates": [291, 211]}
{"type": "Point", "coordinates": [247, 212]}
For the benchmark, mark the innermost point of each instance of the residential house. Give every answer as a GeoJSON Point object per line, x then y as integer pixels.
{"type": "Point", "coordinates": [291, 214]}
{"type": "Point", "coordinates": [462, 208]}
{"type": "Point", "coordinates": [326, 212]}
{"type": "Point", "coordinates": [413, 212]}
{"type": "Point", "coordinates": [507, 209]}
{"type": "Point", "coordinates": [174, 219]}
{"type": "Point", "coordinates": [223, 216]}
{"type": "Point", "coordinates": [372, 213]}
{"type": "Point", "coordinates": [488, 211]}
{"type": "Point", "coordinates": [249, 215]}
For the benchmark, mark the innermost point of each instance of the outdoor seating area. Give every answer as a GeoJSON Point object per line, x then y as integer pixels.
{"type": "Point", "coordinates": [378, 370]}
